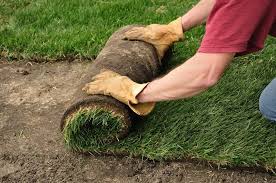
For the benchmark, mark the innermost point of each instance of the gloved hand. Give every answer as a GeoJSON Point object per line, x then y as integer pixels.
{"type": "Point", "coordinates": [121, 88]}
{"type": "Point", "coordinates": [160, 36]}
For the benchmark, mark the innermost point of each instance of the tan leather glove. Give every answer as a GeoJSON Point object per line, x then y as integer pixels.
{"type": "Point", "coordinates": [160, 36]}
{"type": "Point", "coordinates": [121, 88]}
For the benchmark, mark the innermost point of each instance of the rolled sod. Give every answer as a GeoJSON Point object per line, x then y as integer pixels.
{"type": "Point", "coordinates": [92, 121]}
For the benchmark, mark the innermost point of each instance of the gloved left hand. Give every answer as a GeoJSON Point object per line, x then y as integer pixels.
{"type": "Point", "coordinates": [121, 88]}
{"type": "Point", "coordinates": [160, 36]}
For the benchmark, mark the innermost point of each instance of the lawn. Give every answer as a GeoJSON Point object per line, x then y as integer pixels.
{"type": "Point", "coordinates": [222, 125]}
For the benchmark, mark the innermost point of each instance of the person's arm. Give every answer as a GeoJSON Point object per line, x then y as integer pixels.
{"type": "Point", "coordinates": [198, 14]}
{"type": "Point", "coordinates": [194, 76]}
{"type": "Point", "coordinates": [197, 74]}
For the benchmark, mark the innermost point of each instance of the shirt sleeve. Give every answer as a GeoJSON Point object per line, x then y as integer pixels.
{"type": "Point", "coordinates": [238, 26]}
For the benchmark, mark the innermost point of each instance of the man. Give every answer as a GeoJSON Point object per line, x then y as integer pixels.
{"type": "Point", "coordinates": [234, 27]}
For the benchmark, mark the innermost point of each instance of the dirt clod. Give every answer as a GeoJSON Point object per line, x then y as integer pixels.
{"type": "Point", "coordinates": [23, 71]}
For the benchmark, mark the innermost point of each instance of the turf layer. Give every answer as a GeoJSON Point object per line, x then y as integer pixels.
{"type": "Point", "coordinates": [92, 128]}
{"type": "Point", "coordinates": [222, 125]}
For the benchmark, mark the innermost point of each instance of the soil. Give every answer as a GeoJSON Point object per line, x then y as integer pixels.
{"type": "Point", "coordinates": [32, 100]}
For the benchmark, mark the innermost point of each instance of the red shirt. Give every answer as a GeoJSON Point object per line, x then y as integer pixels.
{"type": "Point", "coordinates": [239, 26]}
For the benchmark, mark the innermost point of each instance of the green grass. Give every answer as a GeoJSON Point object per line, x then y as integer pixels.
{"type": "Point", "coordinates": [92, 128]}
{"type": "Point", "coordinates": [50, 28]}
{"type": "Point", "coordinates": [222, 125]}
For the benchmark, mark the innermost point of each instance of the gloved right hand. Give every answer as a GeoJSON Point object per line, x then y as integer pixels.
{"type": "Point", "coordinates": [121, 88]}
{"type": "Point", "coordinates": [160, 36]}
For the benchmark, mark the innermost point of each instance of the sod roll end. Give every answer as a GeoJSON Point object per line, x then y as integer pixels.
{"type": "Point", "coordinates": [95, 122]}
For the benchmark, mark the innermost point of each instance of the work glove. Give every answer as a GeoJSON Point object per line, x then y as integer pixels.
{"type": "Point", "coordinates": [160, 36]}
{"type": "Point", "coordinates": [121, 88]}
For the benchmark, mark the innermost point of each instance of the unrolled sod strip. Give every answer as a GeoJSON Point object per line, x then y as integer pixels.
{"type": "Point", "coordinates": [92, 121]}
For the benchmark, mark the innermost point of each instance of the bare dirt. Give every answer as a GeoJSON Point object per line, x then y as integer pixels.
{"type": "Point", "coordinates": [32, 100]}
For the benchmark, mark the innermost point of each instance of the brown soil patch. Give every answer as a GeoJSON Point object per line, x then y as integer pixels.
{"type": "Point", "coordinates": [32, 100]}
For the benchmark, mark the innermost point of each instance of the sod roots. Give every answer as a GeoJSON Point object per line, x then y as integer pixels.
{"type": "Point", "coordinates": [92, 122]}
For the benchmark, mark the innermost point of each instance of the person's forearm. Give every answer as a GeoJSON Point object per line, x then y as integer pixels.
{"type": "Point", "coordinates": [198, 14]}
{"type": "Point", "coordinates": [194, 76]}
